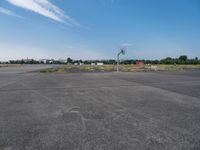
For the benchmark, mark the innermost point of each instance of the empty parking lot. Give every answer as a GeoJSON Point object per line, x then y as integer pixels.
{"type": "Point", "coordinates": [99, 111]}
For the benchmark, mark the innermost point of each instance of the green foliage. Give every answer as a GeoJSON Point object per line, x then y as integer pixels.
{"type": "Point", "coordinates": [181, 60]}
{"type": "Point", "coordinates": [69, 60]}
{"type": "Point", "coordinates": [184, 60]}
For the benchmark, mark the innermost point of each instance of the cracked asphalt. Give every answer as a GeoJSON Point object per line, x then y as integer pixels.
{"type": "Point", "coordinates": [99, 111]}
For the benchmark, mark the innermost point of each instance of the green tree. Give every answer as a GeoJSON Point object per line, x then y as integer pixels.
{"type": "Point", "coordinates": [183, 58]}
{"type": "Point", "coordinates": [69, 60]}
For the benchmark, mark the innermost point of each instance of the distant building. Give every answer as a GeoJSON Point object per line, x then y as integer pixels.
{"type": "Point", "coordinates": [138, 62]}
{"type": "Point", "coordinates": [51, 61]}
{"type": "Point", "coordinates": [100, 64]}
{"type": "Point", "coordinates": [43, 61]}
{"type": "Point", "coordinates": [27, 60]}
{"type": "Point", "coordinates": [93, 64]}
{"type": "Point", "coordinates": [63, 61]}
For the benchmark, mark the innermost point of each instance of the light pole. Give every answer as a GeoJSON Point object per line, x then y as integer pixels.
{"type": "Point", "coordinates": [122, 51]}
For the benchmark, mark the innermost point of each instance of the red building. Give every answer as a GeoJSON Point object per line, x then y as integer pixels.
{"type": "Point", "coordinates": [138, 62]}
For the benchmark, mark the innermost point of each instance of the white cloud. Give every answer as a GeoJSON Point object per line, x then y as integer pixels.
{"type": "Point", "coordinates": [8, 12]}
{"type": "Point", "coordinates": [44, 8]}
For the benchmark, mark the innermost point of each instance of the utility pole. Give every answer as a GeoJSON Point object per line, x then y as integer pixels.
{"type": "Point", "coordinates": [122, 51]}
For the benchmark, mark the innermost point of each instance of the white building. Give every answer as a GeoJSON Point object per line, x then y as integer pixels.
{"type": "Point", "coordinates": [63, 60]}
{"type": "Point", "coordinates": [93, 64]}
{"type": "Point", "coordinates": [100, 64]}
{"type": "Point", "coordinates": [43, 61]}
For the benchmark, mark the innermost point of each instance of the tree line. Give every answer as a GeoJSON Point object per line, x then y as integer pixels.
{"type": "Point", "coordinates": [169, 60]}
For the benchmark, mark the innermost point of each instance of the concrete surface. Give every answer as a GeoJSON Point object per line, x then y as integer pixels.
{"type": "Point", "coordinates": [24, 68]}
{"type": "Point", "coordinates": [99, 111]}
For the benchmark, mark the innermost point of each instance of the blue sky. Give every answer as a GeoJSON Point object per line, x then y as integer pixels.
{"type": "Point", "coordinates": [95, 29]}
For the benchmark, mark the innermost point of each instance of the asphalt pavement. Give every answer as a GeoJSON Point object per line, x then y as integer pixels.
{"type": "Point", "coordinates": [99, 111]}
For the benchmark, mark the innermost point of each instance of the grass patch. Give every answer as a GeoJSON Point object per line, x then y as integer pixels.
{"type": "Point", "coordinates": [123, 68]}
